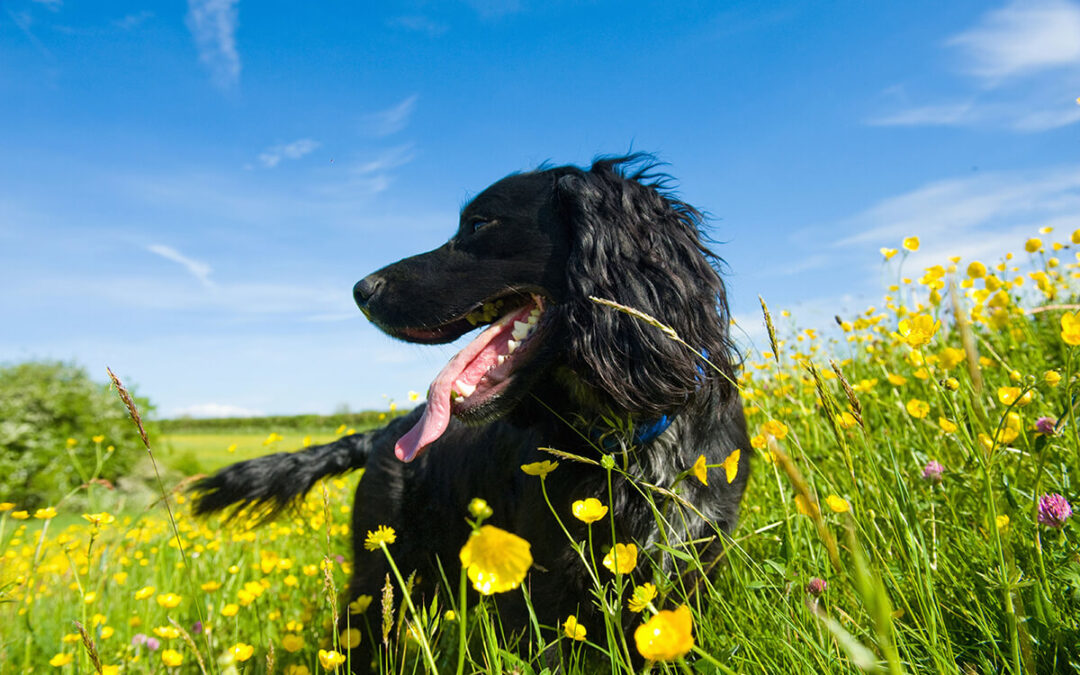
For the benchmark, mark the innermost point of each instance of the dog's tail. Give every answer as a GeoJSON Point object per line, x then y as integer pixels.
{"type": "Point", "coordinates": [268, 484]}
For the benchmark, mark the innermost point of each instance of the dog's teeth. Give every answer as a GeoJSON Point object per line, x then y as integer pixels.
{"type": "Point", "coordinates": [533, 319]}
{"type": "Point", "coordinates": [535, 312]}
{"type": "Point", "coordinates": [500, 359]}
{"type": "Point", "coordinates": [511, 345]}
{"type": "Point", "coordinates": [520, 330]}
{"type": "Point", "coordinates": [466, 389]}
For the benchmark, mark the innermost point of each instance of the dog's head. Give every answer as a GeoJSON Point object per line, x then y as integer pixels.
{"type": "Point", "coordinates": [529, 252]}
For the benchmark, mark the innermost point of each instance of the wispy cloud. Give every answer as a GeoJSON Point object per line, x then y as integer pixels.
{"type": "Point", "coordinates": [199, 270]}
{"type": "Point", "coordinates": [213, 25]}
{"type": "Point", "coordinates": [24, 20]}
{"type": "Point", "coordinates": [951, 210]}
{"type": "Point", "coordinates": [271, 157]}
{"type": "Point", "coordinates": [1021, 66]}
{"type": "Point", "coordinates": [51, 5]}
{"type": "Point", "coordinates": [419, 24]}
{"type": "Point", "coordinates": [391, 120]}
{"type": "Point", "coordinates": [131, 21]}
{"type": "Point", "coordinates": [216, 410]}
{"type": "Point", "coordinates": [1020, 39]}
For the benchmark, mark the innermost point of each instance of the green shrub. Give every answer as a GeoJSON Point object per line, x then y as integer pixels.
{"type": "Point", "coordinates": [42, 406]}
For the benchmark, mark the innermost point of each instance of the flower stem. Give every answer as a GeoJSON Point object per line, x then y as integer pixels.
{"type": "Point", "coordinates": [412, 609]}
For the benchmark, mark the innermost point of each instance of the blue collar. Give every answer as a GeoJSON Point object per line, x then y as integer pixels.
{"type": "Point", "coordinates": [650, 432]}
{"type": "Point", "coordinates": [644, 433]}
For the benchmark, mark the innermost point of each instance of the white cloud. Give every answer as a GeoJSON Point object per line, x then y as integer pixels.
{"type": "Point", "coordinates": [391, 120]}
{"type": "Point", "coordinates": [419, 24]}
{"type": "Point", "coordinates": [216, 410]}
{"type": "Point", "coordinates": [951, 209]}
{"type": "Point", "coordinates": [213, 25]}
{"type": "Point", "coordinates": [1021, 69]}
{"type": "Point", "coordinates": [199, 270]}
{"type": "Point", "coordinates": [1020, 39]}
{"type": "Point", "coordinates": [272, 156]}
{"type": "Point", "coordinates": [130, 21]}
{"type": "Point", "coordinates": [944, 114]}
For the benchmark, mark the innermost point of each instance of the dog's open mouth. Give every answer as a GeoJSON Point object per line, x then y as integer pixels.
{"type": "Point", "coordinates": [477, 373]}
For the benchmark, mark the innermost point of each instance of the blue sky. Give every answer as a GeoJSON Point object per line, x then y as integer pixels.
{"type": "Point", "coordinates": [189, 191]}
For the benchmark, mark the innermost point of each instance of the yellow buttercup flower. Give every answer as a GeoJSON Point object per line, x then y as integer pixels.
{"type": "Point", "coordinates": [837, 504]}
{"type": "Point", "coordinates": [1033, 245]}
{"type": "Point", "coordinates": [588, 510]}
{"type": "Point", "coordinates": [297, 669]}
{"type": "Point", "coordinates": [803, 505]}
{"type": "Point", "coordinates": [495, 560]}
{"type": "Point", "coordinates": [1011, 395]}
{"type": "Point", "coordinates": [976, 270]}
{"type": "Point", "coordinates": [918, 330]}
{"type": "Point", "coordinates": [45, 513]}
{"type": "Point", "coordinates": [60, 660]}
{"type": "Point", "coordinates": [731, 465]}
{"type": "Point", "coordinates": [888, 253]}
{"type": "Point", "coordinates": [167, 632]}
{"type": "Point", "coordinates": [846, 420]}
{"type": "Point", "coordinates": [241, 651]}
{"type": "Point", "coordinates": [144, 592]}
{"type": "Point", "coordinates": [382, 535]}
{"type": "Point", "coordinates": [946, 426]}
{"type": "Point", "coordinates": [774, 428]}
{"type": "Point", "coordinates": [169, 600]}
{"type": "Point", "coordinates": [541, 469]}
{"type": "Point", "coordinates": [211, 586]}
{"type": "Point", "coordinates": [360, 604]}
{"type": "Point", "coordinates": [1002, 523]}
{"type": "Point", "coordinates": [1070, 328]}
{"type": "Point", "coordinates": [911, 244]}
{"type": "Point", "coordinates": [171, 658]}
{"type": "Point", "coordinates": [917, 408]}
{"type": "Point", "coordinates": [666, 636]}
{"type": "Point", "coordinates": [230, 609]}
{"type": "Point", "coordinates": [20, 515]}
{"type": "Point", "coordinates": [330, 660]}
{"type": "Point", "coordinates": [699, 470]}
{"type": "Point", "coordinates": [641, 597]}
{"type": "Point", "coordinates": [951, 357]}
{"type": "Point", "coordinates": [621, 559]}
{"type": "Point", "coordinates": [99, 519]}
{"type": "Point", "coordinates": [1051, 377]}
{"type": "Point", "coordinates": [98, 438]}
{"type": "Point", "coordinates": [572, 629]}
{"type": "Point", "coordinates": [350, 638]}
{"type": "Point", "coordinates": [292, 642]}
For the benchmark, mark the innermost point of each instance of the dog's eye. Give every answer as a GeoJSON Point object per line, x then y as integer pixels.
{"type": "Point", "coordinates": [478, 223]}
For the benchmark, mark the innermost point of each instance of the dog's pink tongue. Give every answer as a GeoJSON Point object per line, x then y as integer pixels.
{"type": "Point", "coordinates": [436, 416]}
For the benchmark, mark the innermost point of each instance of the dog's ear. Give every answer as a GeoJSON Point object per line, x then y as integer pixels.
{"type": "Point", "coordinates": [640, 247]}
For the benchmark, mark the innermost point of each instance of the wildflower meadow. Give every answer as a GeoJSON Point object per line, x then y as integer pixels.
{"type": "Point", "coordinates": [910, 510]}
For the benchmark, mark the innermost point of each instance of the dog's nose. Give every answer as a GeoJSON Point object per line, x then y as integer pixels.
{"type": "Point", "coordinates": [365, 289]}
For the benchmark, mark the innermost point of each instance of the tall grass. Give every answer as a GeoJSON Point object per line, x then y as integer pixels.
{"type": "Point", "coordinates": [892, 524]}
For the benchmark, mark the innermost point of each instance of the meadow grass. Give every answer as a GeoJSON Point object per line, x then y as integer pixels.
{"type": "Point", "coordinates": [207, 452]}
{"type": "Point", "coordinates": [897, 520]}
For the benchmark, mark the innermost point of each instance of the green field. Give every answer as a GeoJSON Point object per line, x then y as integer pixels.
{"type": "Point", "coordinates": [209, 451]}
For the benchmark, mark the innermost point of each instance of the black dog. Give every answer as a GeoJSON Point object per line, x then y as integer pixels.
{"type": "Point", "coordinates": [553, 369]}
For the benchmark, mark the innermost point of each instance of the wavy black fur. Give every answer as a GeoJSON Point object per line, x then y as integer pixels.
{"type": "Point", "coordinates": [562, 233]}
